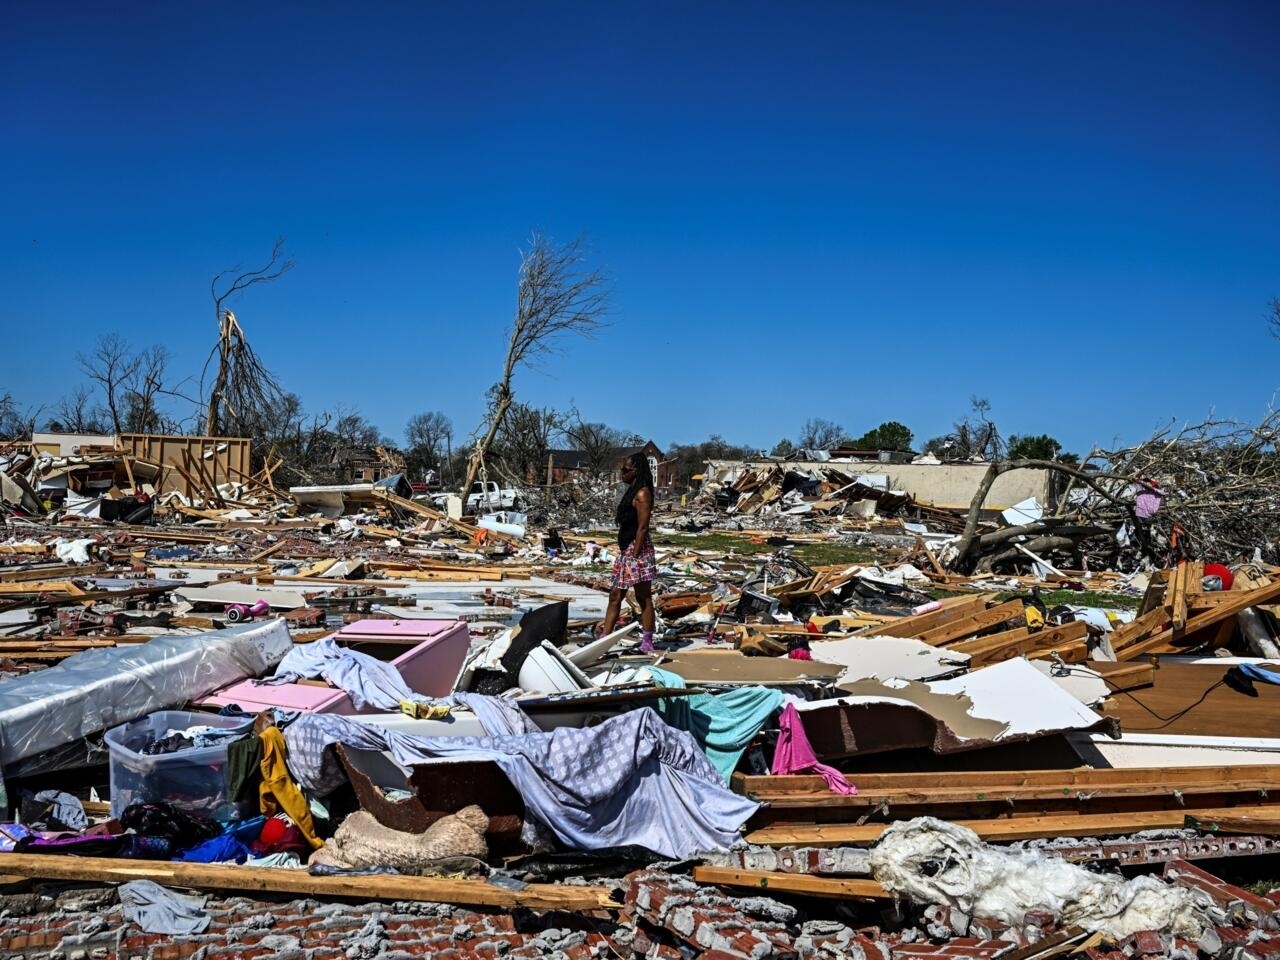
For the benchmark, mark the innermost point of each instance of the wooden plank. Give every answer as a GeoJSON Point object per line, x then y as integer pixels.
{"type": "Point", "coordinates": [1072, 938]}
{"type": "Point", "coordinates": [871, 797]}
{"type": "Point", "coordinates": [953, 608]}
{"type": "Point", "coordinates": [992, 649]}
{"type": "Point", "coordinates": [1019, 828]}
{"type": "Point", "coordinates": [843, 888]}
{"type": "Point", "coordinates": [1125, 676]}
{"type": "Point", "coordinates": [984, 620]}
{"type": "Point", "coordinates": [1138, 628]}
{"type": "Point", "coordinates": [267, 879]}
{"type": "Point", "coordinates": [1244, 600]}
{"type": "Point", "coordinates": [41, 586]}
{"type": "Point", "coordinates": [50, 572]}
{"type": "Point", "coordinates": [1159, 780]}
{"type": "Point", "coordinates": [991, 642]}
{"type": "Point", "coordinates": [1256, 826]}
{"type": "Point", "coordinates": [1177, 600]}
{"type": "Point", "coordinates": [1195, 579]}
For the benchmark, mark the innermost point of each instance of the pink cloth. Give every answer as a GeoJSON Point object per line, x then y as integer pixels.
{"type": "Point", "coordinates": [795, 755]}
{"type": "Point", "coordinates": [1147, 503]}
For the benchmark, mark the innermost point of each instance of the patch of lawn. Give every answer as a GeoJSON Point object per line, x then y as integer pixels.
{"type": "Point", "coordinates": [816, 554]}
{"type": "Point", "coordinates": [1053, 598]}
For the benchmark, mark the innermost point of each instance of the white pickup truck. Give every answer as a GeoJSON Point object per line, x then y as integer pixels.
{"type": "Point", "coordinates": [486, 496]}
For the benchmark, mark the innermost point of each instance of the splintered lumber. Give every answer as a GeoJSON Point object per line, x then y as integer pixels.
{"type": "Point", "coordinates": [268, 879]}
{"type": "Point", "coordinates": [982, 620]}
{"type": "Point", "coordinates": [1241, 601]}
{"type": "Point", "coordinates": [1248, 826]}
{"type": "Point", "coordinates": [773, 881]}
{"type": "Point", "coordinates": [1139, 627]}
{"type": "Point", "coordinates": [1015, 828]}
{"type": "Point", "coordinates": [953, 608]}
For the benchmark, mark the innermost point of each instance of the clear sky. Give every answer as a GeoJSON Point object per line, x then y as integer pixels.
{"type": "Point", "coordinates": [855, 211]}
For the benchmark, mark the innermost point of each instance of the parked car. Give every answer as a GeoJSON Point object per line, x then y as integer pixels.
{"type": "Point", "coordinates": [486, 496]}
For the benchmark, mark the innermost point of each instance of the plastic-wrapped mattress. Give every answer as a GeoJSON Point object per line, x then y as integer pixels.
{"type": "Point", "coordinates": [95, 690]}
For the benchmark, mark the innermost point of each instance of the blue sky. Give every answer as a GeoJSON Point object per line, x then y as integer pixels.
{"type": "Point", "coordinates": [853, 211]}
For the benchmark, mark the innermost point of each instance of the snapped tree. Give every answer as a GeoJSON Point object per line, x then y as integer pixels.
{"type": "Point", "coordinates": [244, 392]}
{"type": "Point", "coordinates": [557, 294]}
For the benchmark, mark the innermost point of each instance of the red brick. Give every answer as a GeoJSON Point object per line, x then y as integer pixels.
{"type": "Point", "coordinates": [1265, 948]}
{"type": "Point", "coordinates": [873, 949]}
{"type": "Point", "coordinates": [1232, 934]}
{"type": "Point", "coordinates": [179, 950]}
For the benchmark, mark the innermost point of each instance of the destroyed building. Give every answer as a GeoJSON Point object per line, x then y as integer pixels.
{"type": "Point", "coordinates": [382, 728]}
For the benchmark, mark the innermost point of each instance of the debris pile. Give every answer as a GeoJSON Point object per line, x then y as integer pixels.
{"type": "Point", "coordinates": [345, 692]}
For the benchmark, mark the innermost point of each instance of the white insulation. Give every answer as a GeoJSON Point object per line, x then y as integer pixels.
{"type": "Point", "coordinates": [931, 861]}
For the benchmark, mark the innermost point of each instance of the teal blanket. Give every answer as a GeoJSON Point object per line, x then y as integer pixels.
{"type": "Point", "coordinates": [724, 724]}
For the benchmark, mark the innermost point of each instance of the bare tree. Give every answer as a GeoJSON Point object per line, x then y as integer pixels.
{"type": "Point", "coordinates": [112, 366]}
{"type": "Point", "coordinates": [1273, 317]}
{"type": "Point", "coordinates": [973, 436]}
{"type": "Point", "coordinates": [427, 436]}
{"type": "Point", "coordinates": [243, 390]}
{"type": "Point", "coordinates": [819, 434]}
{"type": "Point", "coordinates": [599, 444]}
{"type": "Point", "coordinates": [16, 424]}
{"type": "Point", "coordinates": [145, 385]}
{"type": "Point", "coordinates": [556, 294]}
{"type": "Point", "coordinates": [525, 441]}
{"type": "Point", "coordinates": [78, 413]}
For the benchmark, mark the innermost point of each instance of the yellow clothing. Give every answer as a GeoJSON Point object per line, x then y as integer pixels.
{"type": "Point", "coordinates": [278, 787]}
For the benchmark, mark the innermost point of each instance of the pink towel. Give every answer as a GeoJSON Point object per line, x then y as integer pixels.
{"type": "Point", "coordinates": [795, 755]}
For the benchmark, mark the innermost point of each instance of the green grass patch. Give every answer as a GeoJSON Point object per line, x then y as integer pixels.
{"type": "Point", "coordinates": [1053, 598]}
{"type": "Point", "coordinates": [738, 545]}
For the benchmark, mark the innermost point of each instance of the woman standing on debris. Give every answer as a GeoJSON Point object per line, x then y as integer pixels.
{"type": "Point", "coordinates": [636, 566]}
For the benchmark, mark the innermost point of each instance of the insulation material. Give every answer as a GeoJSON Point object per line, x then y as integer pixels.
{"type": "Point", "coordinates": [931, 861]}
{"type": "Point", "coordinates": [361, 842]}
{"type": "Point", "coordinates": [95, 690]}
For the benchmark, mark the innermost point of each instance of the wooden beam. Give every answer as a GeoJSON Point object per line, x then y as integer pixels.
{"type": "Point", "coordinates": [775, 882]}
{"type": "Point", "coordinates": [983, 620]}
{"type": "Point", "coordinates": [266, 879]}
{"type": "Point", "coordinates": [1002, 646]}
{"type": "Point", "coordinates": [1019, 828]}
{"type": "Point", "coordinates": [1138, 628]}
{"type": "Point", "coordinates": [1244, 600]}
{"type": "Point", "coordinates": [1151, 780]}
{"type": "Point", "coordinates": [1177, 598]}
{"type": "Point", "coordinates": [953, 608]}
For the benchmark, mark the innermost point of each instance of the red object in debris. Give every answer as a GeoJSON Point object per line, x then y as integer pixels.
{"type": "Point", "coordinates": [1218, 570]}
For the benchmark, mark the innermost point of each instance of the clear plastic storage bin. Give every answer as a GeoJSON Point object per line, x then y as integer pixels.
{"type": "Point", "coordinates": [197, 780]}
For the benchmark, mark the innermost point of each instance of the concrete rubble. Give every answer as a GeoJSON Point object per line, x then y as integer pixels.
{"type": "Point", "coordinates": [427, 692]}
